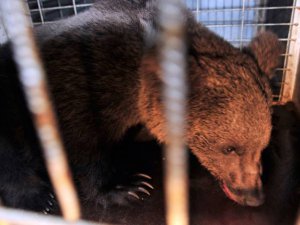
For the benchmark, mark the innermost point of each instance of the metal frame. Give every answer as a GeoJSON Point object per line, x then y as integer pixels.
{"type": "Point", "coordinates": [292, 62]}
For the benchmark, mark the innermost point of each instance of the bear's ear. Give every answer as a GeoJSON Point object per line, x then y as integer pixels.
{"type": "Point", "coordinates": [266, 49]}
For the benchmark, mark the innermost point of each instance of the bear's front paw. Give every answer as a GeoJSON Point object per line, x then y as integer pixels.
{"type": "Point", "coordinates": [137, 189]}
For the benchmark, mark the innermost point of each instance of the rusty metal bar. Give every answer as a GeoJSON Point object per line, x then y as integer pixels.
{"type": "Point", "coordinates": [173, 65]}
{"type": "Point", "coordinates": [33, 80]}
{"type": "Point", "coordinates": [20, 217]}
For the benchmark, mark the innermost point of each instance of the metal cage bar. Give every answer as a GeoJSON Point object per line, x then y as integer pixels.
{"type": "Point", "coordinates": [242, 25]}
{"type": "Point", "coordinates": [291, 63]}
{"type": "Point", "coordinates": [74, 7]}
{"type": "Point", "coordinates": [34, 84]}
{"type": "Point", "coordinates": [63, 7]}
{"type": "Point", "coordinates": [20, 217]}
{"type": "Point", "coordinates": [172, 54]}
{"type": "Point", "coordinates": [298, 218]}
{"type": "Point", "coordinates": [40, 11]}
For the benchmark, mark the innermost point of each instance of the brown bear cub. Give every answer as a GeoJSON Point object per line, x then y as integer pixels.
{"type": "Point", "coordinates": [104, 77]}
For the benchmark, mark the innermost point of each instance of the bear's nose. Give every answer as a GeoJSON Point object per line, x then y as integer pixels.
{"type": "Point", "coordinates": [255, 198]}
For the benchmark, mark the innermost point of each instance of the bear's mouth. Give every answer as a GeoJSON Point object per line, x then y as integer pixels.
{"type": "Point", "coordinates": [227, 191]}
{"type": "Point", "coordinates": [251, 197]}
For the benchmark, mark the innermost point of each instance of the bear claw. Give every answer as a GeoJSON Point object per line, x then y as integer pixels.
{"type": "Point", "coordinates": [145, 184]}
{"type": "Point", "coordinates": [135, 190]}
{"type": "Point", "coordinates": [143, 176]}
{"type": "Point", "coordinates": [133, 194]}
{"type": "Point", "coordinates": [143, 190]}
{"type": "Point", "coordinates": [50, 204]}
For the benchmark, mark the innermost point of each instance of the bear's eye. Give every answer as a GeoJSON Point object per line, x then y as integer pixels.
{"type": "Point", "coordinates": [229, 149]}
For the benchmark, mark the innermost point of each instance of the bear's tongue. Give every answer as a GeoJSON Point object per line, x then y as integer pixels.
{"type": "Point", "coordinates": [227, 191]}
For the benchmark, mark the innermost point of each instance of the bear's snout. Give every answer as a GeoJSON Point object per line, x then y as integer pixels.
{"type": "Point", "coordinates": [245, 196]}
{"type": "Point", "coordinates": [255, 198]}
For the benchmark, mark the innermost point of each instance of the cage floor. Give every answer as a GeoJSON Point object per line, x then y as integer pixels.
{"type": "Point", "coordinates": [208, 204]}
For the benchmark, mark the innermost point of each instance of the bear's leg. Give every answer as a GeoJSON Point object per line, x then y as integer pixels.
{"type": "Point", "coordinates": [21, 185]}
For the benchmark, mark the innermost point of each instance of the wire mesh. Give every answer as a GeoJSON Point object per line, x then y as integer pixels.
{"type": "Point", "coordinates": [237, 21]}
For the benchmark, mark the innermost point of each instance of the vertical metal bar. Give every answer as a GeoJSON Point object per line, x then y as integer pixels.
{"type": "Point", "coordinates": [293, 48]}
{"type": "Point", "coordinates": [33, 80]}
{"type": "Point", "coordinates": [242, 25]}
{"type": "Point", "coordinates": [173, 49]}
{"type": "Point", "coordinates": [224, 19]}
{"type": "Point", "coordinates": [197, 10]}
{"type": "Point", "coordinates": [3, 34]}
{"type": "Point", "coordinates": [4, 222]}
{"type": "Point", "coordinates": [74, 7]}
{"type": "Point", "coordinates": [41, 11]}
{"type": "Point", "coordinates": [60, 10]}
{"type": "Point", "coordinates": [298, 218]}
{"type": "Point", "coordinates": [208, 12]}
{"type": "Point", "coordinates": [288, 92]}
{"type": "Point", "coordinates": [231, 19]}
{"type": "Point", "coordinates": [28, 14]}
{"type": "Point", "coordinates": [215, 18]}
{"type": "Point", "coordinates": [261, 16]}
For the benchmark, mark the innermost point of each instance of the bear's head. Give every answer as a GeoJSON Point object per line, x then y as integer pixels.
{"type": "Point", "coordinates": [229, 108]}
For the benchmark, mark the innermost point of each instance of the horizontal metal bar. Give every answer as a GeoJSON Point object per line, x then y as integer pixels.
{"type": "Point", "coordinates": [278, 83]}
{"type": "Point", "coordinates": [21, 217]}
{"type": "Point", "coordinates": [241, 9]}
{"type": "Point", "coordinates": [194, 10]}
{"type": "Point", "coordinates": [209, 26]}
{"type": "Point", "coordinates": [238, 24]}
{"type": "Point", "coordinates": [62, 7]}
{"type": "Point", "coordinates": [283, 69]}
{"type": "Point", "coordinates": [248, 40]}
{"type": "Point", "coordinates": [200, 10]}
{"type": "Point", "coordinates": [278, 103]}
{"type": "Point", "coordinates": [40, 23]}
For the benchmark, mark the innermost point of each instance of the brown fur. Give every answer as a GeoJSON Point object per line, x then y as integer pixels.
{"type": "Point", "coordinates": [104, 78]}
{"type": "Point", "coordinates": [116, 84]}
{"type": "Point", "coordinates": [229, 105]}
